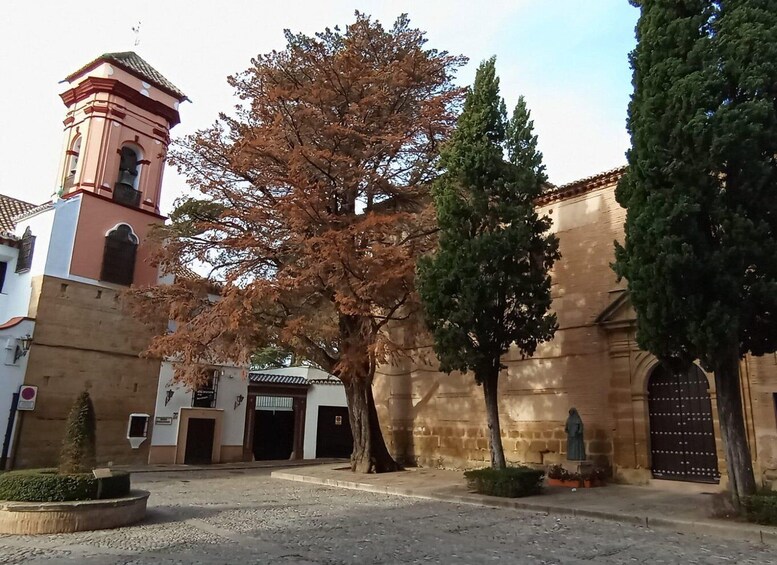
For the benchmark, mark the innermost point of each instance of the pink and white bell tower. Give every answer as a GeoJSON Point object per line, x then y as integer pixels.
{"type": "Point", "coordinates": [117, 131]}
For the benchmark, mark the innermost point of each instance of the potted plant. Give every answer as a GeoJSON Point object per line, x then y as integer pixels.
{"type": "Point", "coordinates": [560, 477]}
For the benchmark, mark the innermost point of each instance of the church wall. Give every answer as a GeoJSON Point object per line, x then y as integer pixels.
{"type": "Point", "coordinates": [760, 391]}
{"type": "Point", "coordinates": [83, 341]}
{"type": "Point", "coordinates": [437, 419]}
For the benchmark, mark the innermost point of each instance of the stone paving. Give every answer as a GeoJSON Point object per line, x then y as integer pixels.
{"type": "Point", "coordinates": [243, 516]}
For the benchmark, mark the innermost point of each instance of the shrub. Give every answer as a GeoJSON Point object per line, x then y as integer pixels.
{"type": "Point", "coordinates": [46, 485]}
{"type": "Point", "coordinates": [511, 482]}
{"type": "Point", "coordinates": [78, 448]}
{"type": "Point", "coordinates": [761, 508]}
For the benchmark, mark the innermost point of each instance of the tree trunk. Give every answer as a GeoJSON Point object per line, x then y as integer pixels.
{"type": "Point", "coordinates": [490, 384]}
{"type": "Point", "coordinates": [732, 427]}
{"type": "Point", "coordinates": [370, 454]}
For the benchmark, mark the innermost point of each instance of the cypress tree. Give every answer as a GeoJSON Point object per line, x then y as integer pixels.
{"type": "Point", "coordinates": [700, 255]}
{"type": "Point", "coordinates": [487, 285]}
{"type": "Point", "coordinates": [78, 447]}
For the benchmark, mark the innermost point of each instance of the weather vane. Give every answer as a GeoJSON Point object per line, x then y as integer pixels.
{"type": "Point", "coordinates": [136, 31]}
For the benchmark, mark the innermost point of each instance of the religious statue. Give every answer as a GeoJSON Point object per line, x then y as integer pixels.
{"type": "Point", "coordinates": [575, 441]}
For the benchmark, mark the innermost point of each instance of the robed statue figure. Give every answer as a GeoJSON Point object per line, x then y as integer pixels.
{"type": "Point", "coordinates": [575, 442]}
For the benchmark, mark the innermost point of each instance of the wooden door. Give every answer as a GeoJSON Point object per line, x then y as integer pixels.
{"type": "Point", "coordinates": [682, 435]}
{"type": "Point", "coordinates": [199, 441]}
{"type": "Point", "coordinates": [333, 433]}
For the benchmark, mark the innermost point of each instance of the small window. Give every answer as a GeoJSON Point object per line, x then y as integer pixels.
{"type": "Point", "coordinates": [121, 245]}
{"type": "Point", "coordinates": [205, 395]}
{"type": "Point", "coordinates": [26, 249]}
{"type": "Point", "coordinates": [3, 269]}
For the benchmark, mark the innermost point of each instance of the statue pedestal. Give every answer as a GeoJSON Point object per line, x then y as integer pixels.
{"type": "Point", "coordinates": [584, 468]}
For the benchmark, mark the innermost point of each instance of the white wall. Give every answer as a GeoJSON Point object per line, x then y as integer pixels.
{"type": "Point", "coordinates": [231, 384]}
{"type": "Point", "coordinates": [11, 374]}
{"type": "Point", "coordinates": [319, 395]}
{"type": "Point", "coordinates": [11, 286]}
{"type": "Point", "coordinates": [310, 373]}
{"type": "Point", "coordinates": [63, 235]}
{"type": "Point", "coordinates": [54, 230]}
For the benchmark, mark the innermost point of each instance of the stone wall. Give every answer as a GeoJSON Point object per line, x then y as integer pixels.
{"type": "Point", "coordinates": [593, 364]}
{"type": "Point", "coordinates": [436, 419]}
{"type": "Point", "coordinates": [83, 341]}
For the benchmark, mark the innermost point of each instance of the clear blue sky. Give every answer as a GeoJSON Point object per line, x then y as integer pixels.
{"type": "Point", "coordinates": [567, 57]}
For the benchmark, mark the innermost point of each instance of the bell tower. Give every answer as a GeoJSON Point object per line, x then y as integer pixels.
{"type": "Point", "coordinates": [117, 129]}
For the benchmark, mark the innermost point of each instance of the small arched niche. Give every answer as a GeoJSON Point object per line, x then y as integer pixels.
{"type": "Point", "coordinates": [71, 164]}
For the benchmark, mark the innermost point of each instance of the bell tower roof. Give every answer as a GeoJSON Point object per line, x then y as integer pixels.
{"type": "Point", "coordinates": [135, 65]}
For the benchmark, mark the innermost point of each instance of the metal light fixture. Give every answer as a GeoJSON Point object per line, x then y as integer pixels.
{"type": "Point", "coordinates": [22, 347]}
{"type": "Point", "coordinates": [168, 396]}
{"type": "Point", "coordinates": [239, 400]}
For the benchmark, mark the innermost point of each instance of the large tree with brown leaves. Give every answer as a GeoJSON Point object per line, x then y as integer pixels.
{"type": "Point", "coordinates": [311, 210]}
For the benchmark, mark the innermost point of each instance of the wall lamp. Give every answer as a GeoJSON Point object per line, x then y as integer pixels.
{"type": "Point", "coordinates": [22, 347]}
{"type": "Point", "coordinates": [239, 400]}
{"type": "Point", "coordinates": [168, 396]}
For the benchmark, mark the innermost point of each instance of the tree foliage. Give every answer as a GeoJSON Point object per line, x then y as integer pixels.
{"type": "Point", "coordinates": [309, 209]}
{"type": "Point", "coordinates": [700, 253]}
{"type": "Point", "coordinates": [487, 286]}
{"type": "Point", "coordinates": [78, 447]}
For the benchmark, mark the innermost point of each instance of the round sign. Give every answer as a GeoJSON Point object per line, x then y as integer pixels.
{"type": "Point", "coordinates": [28, 393]}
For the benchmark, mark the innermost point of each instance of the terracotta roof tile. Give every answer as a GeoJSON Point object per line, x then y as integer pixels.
{"type": "Point", "coordinates": [135, 64]}
{"type": "Point", "coordinates": [10, 208]}
{"type": "Point", "coordinates": [581, 186]}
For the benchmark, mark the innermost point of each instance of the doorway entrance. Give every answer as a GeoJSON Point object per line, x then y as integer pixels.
{"type": "Point", "coordinates": [682, 435]}
{"type": "Point", "coordinates": [199, 441]}
{"type": "Point", "coordinates": [273, 434]}
{"type": "Point", "coordinates": [333, 434]}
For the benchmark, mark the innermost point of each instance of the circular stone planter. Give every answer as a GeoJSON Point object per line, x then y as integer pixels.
{"type": "Point", "coordinates": [76, 516]}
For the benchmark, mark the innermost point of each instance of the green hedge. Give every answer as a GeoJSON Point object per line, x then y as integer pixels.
{"type": "Point", "coordinates": [511, 482]}
{"type": "Point", "coordinates": [761, 508]}
{"type": "Point", "coordinates": [45, 485]}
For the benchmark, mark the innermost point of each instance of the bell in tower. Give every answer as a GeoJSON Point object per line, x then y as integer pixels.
{"type": "Point", "coordinates": [125, 189]}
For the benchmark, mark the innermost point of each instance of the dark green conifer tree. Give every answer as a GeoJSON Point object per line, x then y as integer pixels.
{"type": "Point", "coordinates": [700, 254]}
{"type": "Point", "coordinates": [487, 285]}
{"type": "Point", "coordinates": [78, 447]}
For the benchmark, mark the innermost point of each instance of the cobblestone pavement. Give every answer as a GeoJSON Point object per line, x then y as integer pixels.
{"type": "Point", "coordinates": [244, 517]}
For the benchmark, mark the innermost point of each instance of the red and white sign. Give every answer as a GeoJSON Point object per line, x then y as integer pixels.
{"type": "Point", "coordinates": [27, 397]}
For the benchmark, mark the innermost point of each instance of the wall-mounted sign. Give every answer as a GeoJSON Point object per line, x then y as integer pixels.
{"type": "Point", "coordinates": [163, 420]}
{"type": "Point", "coordinates": [338, 420]}
{"type": "Point", "coordinates": [27, 397]}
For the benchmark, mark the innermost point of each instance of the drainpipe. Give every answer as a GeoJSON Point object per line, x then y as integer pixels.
{"type": "Point", "coordinates": [9, 430]}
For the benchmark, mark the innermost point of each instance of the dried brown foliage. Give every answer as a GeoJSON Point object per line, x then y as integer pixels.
{"type": "Point", "coordinates": [311, 203]}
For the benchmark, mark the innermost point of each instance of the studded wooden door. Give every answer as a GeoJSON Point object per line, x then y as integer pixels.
{"type": "Point", "coordinates": [682, 437]}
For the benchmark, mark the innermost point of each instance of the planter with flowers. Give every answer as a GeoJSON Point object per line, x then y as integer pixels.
{"type": "Point", "coordinates": [560, 477]}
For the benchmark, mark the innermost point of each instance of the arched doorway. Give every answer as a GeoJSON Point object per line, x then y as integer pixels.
{"type": "Point", "coordinates": [682, 436]}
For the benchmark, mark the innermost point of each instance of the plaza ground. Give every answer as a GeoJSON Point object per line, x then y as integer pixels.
{"type": "Point", "coordinates": [245, 516]}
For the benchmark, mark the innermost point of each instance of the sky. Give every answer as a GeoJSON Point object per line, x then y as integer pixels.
{"type": "Point", "coordinates": [568, 58]}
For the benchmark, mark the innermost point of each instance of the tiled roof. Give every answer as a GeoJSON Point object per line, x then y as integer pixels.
{"type": "Point", "coordinates": [135, 64]}
{"type": "Point", "coordinates": [9, 209]}
{"type": "Point", "coordinates": [582, 185]}
{"type": "Point", "coordinates": [332, 381]}
{"type": "Point", "coordinates": [264, 378]}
